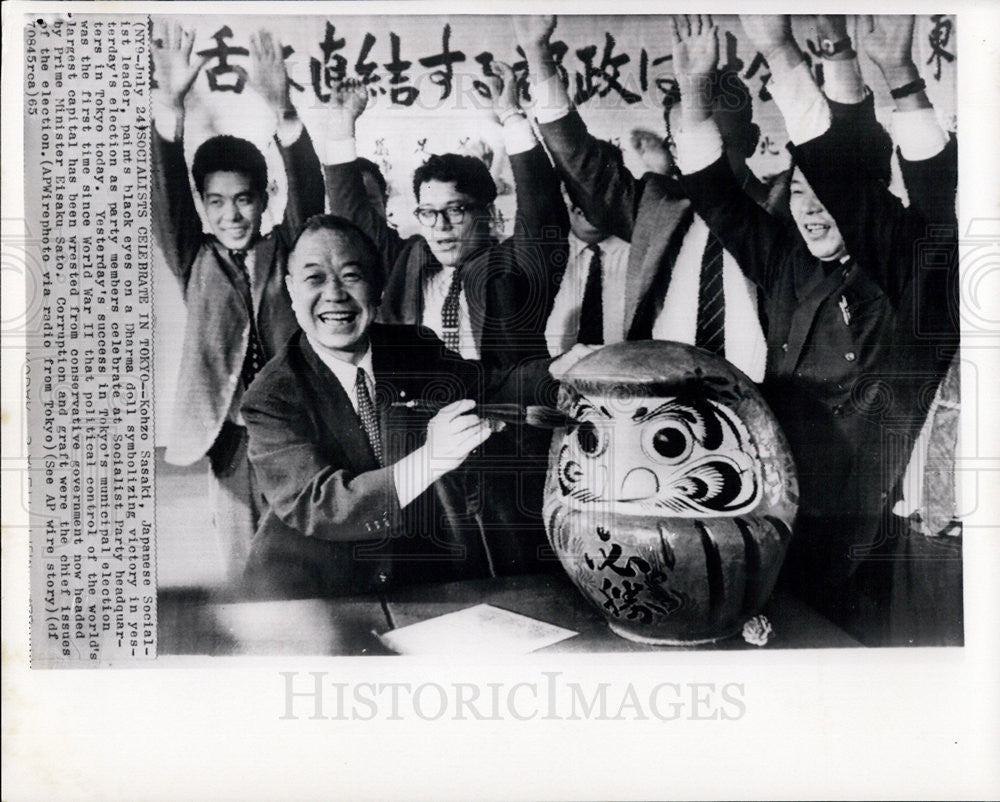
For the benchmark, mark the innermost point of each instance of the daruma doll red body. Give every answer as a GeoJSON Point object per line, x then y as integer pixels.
{"type": "Point", "coordinates": [671, 498]}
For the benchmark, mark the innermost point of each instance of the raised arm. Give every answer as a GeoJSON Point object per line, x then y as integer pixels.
{"type": "Point", "coordinates": [878, 231]}
{"type": "Point", "coordinates": [928, 157]}
{"type": "Point", "coordinates": [594, 171]}
{"type": "Point", "coordinates": [345, 186]}
{"type": "Point", "coordinates": [541, 226]}
{"type": "Point", "coordinates": [303, 170]}
{"type": "Point", "coordinates": [747, 231]}
{"type": "Point", "coordinates": [176, 224]}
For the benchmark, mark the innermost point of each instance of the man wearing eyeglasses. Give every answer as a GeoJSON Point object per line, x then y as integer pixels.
{"type": "Point", "coordinates": [486, 300]}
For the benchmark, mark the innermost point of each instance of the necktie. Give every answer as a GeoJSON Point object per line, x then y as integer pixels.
{"type": "Point", "coordinates": [366, 411]}
{"type": "Point", "coordinates": [450, 312]}
{"type": "Point", "coordinates": [592, 308]}
{"type": "Point", "coordinates": [254, 358]}
{"type": "Point", "coordinates": [710, 333]}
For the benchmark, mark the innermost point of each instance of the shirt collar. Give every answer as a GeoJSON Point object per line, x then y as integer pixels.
{"type": "Point", "coordinates": [346, 372]}
{"type": "Point", "coordinates": [577, 246]}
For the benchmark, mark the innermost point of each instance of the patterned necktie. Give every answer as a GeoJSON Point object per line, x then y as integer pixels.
{"type": "Point", "coordinates": [450, 312]}
{"type": "Point", "coordinates": [592, 307]}
{"type": "Point", "coordinates": [366, 411]}
{"type": "Point", "coordinates": [710, 333]}
{"type": "Point", "coordinates": [254, 358]}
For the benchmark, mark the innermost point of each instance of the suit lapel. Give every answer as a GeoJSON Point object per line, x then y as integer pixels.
{"type": "Point", "coordinates": [660, 223]}
{"type": "Point", "coordinates": [474, 286]}
{"type": "Point", "coordinates": [337, 413]}
{"type": "Point", "coordinates": [812, 287]}
{"type": "Point", "coordinates": [263, 261]}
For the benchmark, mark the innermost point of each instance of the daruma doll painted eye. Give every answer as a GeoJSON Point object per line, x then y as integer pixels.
{"type": "Point", "coordinates": [671, 498]}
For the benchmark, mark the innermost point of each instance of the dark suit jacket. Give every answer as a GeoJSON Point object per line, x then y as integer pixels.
{"type": "Point", "coordinates": [911, 253]}
{"type": "Point", "coordinates": [509, 286]}
{"type": "Point", "coordinates": [846, 374]}
{"type": "Point", "coordinates": [334, 523]}
{"type": "Point", "coordinates": [216, 294]}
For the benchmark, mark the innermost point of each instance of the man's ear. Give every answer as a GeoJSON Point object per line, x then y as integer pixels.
{"type": "Point", "coordinates": [264, 198]}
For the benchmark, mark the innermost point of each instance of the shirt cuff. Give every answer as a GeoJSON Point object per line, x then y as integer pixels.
{"type": "Point", "coordinates": [551, 100]}
{"type": "Point", "coordinates": [918, 134]}
{"type": "Point", "coordinates": [169, 125]}
{"type": "Point", "coordinates": [341, 151]}
{"type": "Point", "coordinates": [288, 131]}
{"type": "Point", "coordinates": [842, 81]}
{"type": "Point", "coordinates": [412, 476]}
{"type": "Point", "coordinates": [806, 112]}
{"type": "Point", "coordinates": [518, 136]}
{"type": "Point", "coordinates": [698, 146]}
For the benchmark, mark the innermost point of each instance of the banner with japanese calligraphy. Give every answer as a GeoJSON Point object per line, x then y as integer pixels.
{"type": "Point", "coordinates": [428, 94]}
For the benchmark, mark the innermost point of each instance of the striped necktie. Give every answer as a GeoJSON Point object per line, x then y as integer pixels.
{"type": "Point", "coordinates": [254, 358]}
{"type": "Point", "coordinates": [711, 329]}
{"type": "Point", "coordinates": [369, 418]}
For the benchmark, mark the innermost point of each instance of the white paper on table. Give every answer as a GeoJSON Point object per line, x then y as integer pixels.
{"type": "Point", "coordinates": [479, 629]}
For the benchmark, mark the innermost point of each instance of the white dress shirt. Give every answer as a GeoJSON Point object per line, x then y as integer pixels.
{"type": "Point", "coordinates": [677, 319]}
{"type": "Point", "coordinates": [563, 326]}
{"type": "Point", "coordinates": [347, 372]}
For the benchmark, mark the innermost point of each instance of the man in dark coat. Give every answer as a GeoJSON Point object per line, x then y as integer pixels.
{"type": "Point", "coordinates": [348, 470]}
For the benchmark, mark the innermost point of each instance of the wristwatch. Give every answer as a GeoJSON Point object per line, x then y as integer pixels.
{"type": "Point", "coordinates": [829, 48]}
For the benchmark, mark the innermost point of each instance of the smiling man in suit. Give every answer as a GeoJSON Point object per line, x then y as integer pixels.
{"type": "Point", "coordinates": [346, 468]}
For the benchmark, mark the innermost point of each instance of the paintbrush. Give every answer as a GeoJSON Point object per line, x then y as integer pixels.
{"type": "Point", "coordinates": [540, 417]}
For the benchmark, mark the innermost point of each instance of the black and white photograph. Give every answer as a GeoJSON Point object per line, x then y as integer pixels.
{"type": "Point", "coordinates": [649, 332]}
{"type": "Point", "coordinates": [533, 372]}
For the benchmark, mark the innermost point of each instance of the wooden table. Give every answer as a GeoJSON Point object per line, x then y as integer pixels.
{"type": "Point", "coordinates": [199, 625]}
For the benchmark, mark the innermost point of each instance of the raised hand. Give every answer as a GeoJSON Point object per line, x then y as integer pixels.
{"type": "Point", "coordinates": [534, 30]}
{"type": "Point", "coordinates": [267, 71]}
{"type": "Point", "coordinates": [453, 433]}
{"type": "Point", "coordinates": [888, 40]}
{"type": "Point", "coordinates": [348, 100]}
{"type": "Point", "coordinates": [767, 32]}
{"type": "Point", "coordinates": [173, 66]}
{"type": "Point", "coordinates": [696, 47]}
{"type": "Point", "coordinates": [503, 90]}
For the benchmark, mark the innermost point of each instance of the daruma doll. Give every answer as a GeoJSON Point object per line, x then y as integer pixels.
{"type": "Point", "coordinates": [670, 499]}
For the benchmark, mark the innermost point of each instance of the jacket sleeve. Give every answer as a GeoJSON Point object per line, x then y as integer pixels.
{"type": "Point", "coordinates": [345, 191]}
{"type": "Point", "coordinates": [533, 258]}
{"type": "Point", "coordinates": [176, 224]}
{"type": "Point", "coordinates": [304, 488]}
{"type": "Point", "coordinates": [595, 174]}
{"type": "Point", "coordinates": [305, 183]}
{"type": "Point", "coordinates": [931, 184]}
{"type": "Point", "coordinates": [749, 233]}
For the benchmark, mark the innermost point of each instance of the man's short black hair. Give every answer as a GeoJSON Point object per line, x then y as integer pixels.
{"type": "Point", "coordinates": [368, 166]}
{"type": "Point", "coordinates": [344, 227]}
{"type": "Point", "coordinates": [469, 175]}
{"type": "Point", "coordinates": [229, 154]}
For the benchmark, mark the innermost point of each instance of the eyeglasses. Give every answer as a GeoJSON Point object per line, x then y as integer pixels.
{"type": "Point", "coordinates": [454, 214]}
